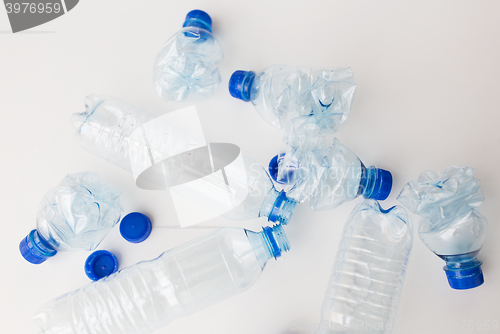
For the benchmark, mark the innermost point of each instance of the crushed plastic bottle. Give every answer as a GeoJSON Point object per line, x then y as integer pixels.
{"type": "Point", "coordinates": [281, 93]}
{"type": "Point", "coordinates": [186, 67]}
{"type": "Point", "coordinates": [368, 275]}
{"type": "Point", "coordinates": [330, 176]}
{"type": "Point", "coordinates": [76, 215]}
{"type": "Point", "coordinates": [182, 281]}
{"type": "Point", "coordinates": [451, 224]}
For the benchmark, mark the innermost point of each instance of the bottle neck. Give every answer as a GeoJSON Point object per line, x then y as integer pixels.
{"type": "Point", "coordinates": [463, 271]}
{"type": "Point", "coordinates": [270, 242]}
{"type": "Point", "coordinates": [241, 84]}
{"type": "Point", "coordinates": [375, 183]}
{"type": "Point", "coordinates": [277, 207]}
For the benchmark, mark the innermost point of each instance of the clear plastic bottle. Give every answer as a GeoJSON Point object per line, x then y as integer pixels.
{"type": "Point", "coordinates": [182, 281]}
{"type": "Point", "coordinates": [105, 129]}
{"type": "Point", "coordinates": [451, 224]}
{"type": "Point", "coordinates": [186, 67]}
{"type": "Point", "coordinates": [367, 277]}
{"type": "Point", "coordinates": [331, 176]}
{"type": "Point", "coordinates": [76, 215]}
{"type": "Point", "coordinates": [281, 93]}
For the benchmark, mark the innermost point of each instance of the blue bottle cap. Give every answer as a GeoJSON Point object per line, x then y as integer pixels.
{"type": "Point", "coordinates": [198, 18]}
{"type": "Point", "coordinates": [135, 227]}
{"type": "Point", "coordinates": [273, 170]}
{"type": "Point", "coordinates": [240, 84]}
{"type": "Point", "coordinates": [462, 279]}
{"type": "Point", "coordinates": [383, 185]}
{"type": "Point", "coordinates": [100, 264]}
{"type": "Point", "coordinates": [35, 249]}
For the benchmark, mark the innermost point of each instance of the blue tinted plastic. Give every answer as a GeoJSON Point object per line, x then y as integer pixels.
{"type": "Point", "coordinates": [100, 264]}
{"type": "Point", "coordinates": [199, 19]}
{"type": "Point", "coordinates": [240, 84]}
{"type": "Point", "coordinates": [150, 294]}
{"type": "Point", "coordinates": [186, 69]}
{"type": "Point", "coordinates": [451, 224]}
{"type": "Point", "coordinates": [135, 227]}
{"type": "Point", "coordinates": [76, 215]}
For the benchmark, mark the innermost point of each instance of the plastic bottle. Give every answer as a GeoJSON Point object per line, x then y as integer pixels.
{"type": "Point", "coordinates": [186, 67]}
{"type": "Point", "coordinates": [76, 215]}
{"type": "Point", "coordinates": [451, 224]}
{"type": "Point", "coordinates": [182, 281]}
{"type": "Point", "coordinates": [331, 176]}
{"type": "Point", "coordinates": [281, 93]}
{"type": "Point", "coordinates": [105, 130]}
{"type": "Point", "coordinates": [367, 277]}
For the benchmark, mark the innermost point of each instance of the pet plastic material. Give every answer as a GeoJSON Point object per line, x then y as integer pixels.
{"type": "Point", "coordinates": [76, 215]}
{"type": "Point", "coordinates": [100, 264]}
{"type": "Point", "coordinates": [182, 281]}
{"type": "Point", "coordinates": [186, 67]}
{"type": "Point", "coordinates": [135, 227]}
{"type": "Point", "coordinates": [331, 176]}
{"type": "Point", "coordinates": [451, 224]}
{"type": "Point", "coordinates": [367, 277]}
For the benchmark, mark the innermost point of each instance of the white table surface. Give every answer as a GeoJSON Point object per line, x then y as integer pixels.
{"type": "Point", "coordinates": [428, 77]}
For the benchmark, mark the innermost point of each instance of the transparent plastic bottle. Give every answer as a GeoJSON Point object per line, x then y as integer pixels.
{"type": "Point", "coordinates": [281, 93]}
{"type": "Point", "coordinates": [105, 129]}
{"type": "Point", "coordinates": [76, 215]}
{"type": "Point", "coordinates": [186, 67]}
{"type": "Point", "coordinates": [182, 281]}
{"type": "Point", "coordinates": [331, 176]}
{"type": "Point", "coordinates": [367, 277]}
{"type": "Point", "coordinates": [451, 224]}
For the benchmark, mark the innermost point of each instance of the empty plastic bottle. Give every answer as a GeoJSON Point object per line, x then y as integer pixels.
{"type": "Point", "coordinates": [186, 67]}
{"type": "Point", "coordinates": [182, 281]}
{"type": "Point", "coordinates": [367, 277]}
{"type": "Point", "coordinates": [105, 129]}
{"type": "Point", "coordinates": [281, 93]}
{"type": "Point", "coordinates": [76, 215]}
{"type": "Point", "coordinates": [451, 224]}
{"type": "Point", "coordinates": [331, 176]}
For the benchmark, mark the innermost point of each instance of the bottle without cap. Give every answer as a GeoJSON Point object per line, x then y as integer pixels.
{"type": "Point", "coordinates": [186, 67]}
{"type": "Point", "coordinates": [182, 281]}
{"type": "Point", "coordinates": [105, 129]}
{"type": "Point", "coordinates": [367, 278]}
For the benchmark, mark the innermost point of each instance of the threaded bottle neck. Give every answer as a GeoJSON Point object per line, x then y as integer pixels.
{"type": "Point", "coordinates": [375, 183]}
{"type": "Point", "coordinates": [277, 207]}
{"type": "Point", "coordinates": [35, 249]}
{"type": "Point", "coordinates": [275, 240]}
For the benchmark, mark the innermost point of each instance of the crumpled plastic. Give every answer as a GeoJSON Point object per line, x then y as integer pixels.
{"type": "Point", "coordinates": [448, 203]}
{"type": "Point", "coordinates": [79, 212]}
{"type": "Point", "coordinates": [186, 67]}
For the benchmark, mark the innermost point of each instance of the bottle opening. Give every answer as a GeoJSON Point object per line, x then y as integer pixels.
{"type": "Point", "coordinates": [283, 209]}
{"type": "Point", "coordinates": [276, 240]}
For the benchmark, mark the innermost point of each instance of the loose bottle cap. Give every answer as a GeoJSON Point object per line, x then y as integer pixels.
{"type": "Point", "coordinates": [135, 227]}
{"type": "Point", "coordinates": [198, 18]}
{"type": "Point", "coordinates": [35, 249]}
{"type": "Point", "coordinates": [240, 84]}
{"type": "Point", "coordinates": [100, 264]}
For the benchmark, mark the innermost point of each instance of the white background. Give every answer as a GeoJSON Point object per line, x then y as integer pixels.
{"type": "Point", "coordinates": [428, 76]}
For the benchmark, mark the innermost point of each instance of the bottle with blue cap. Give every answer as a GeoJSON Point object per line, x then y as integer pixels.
{"type": "Point", "coordinates": [281, 93]}
{"type": "Point", "coordinates": [330, 176]}
{"type": "Point", "coordinates": [186, 69]}
{"type": "Point", "coordinates": [77, 214]}
{"type": "Point", "coordinates": [451, 226]}
{"type": "Point", "coordinates": [150, 294]}
{"type": "Point", "coordinates": [369, 271]}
